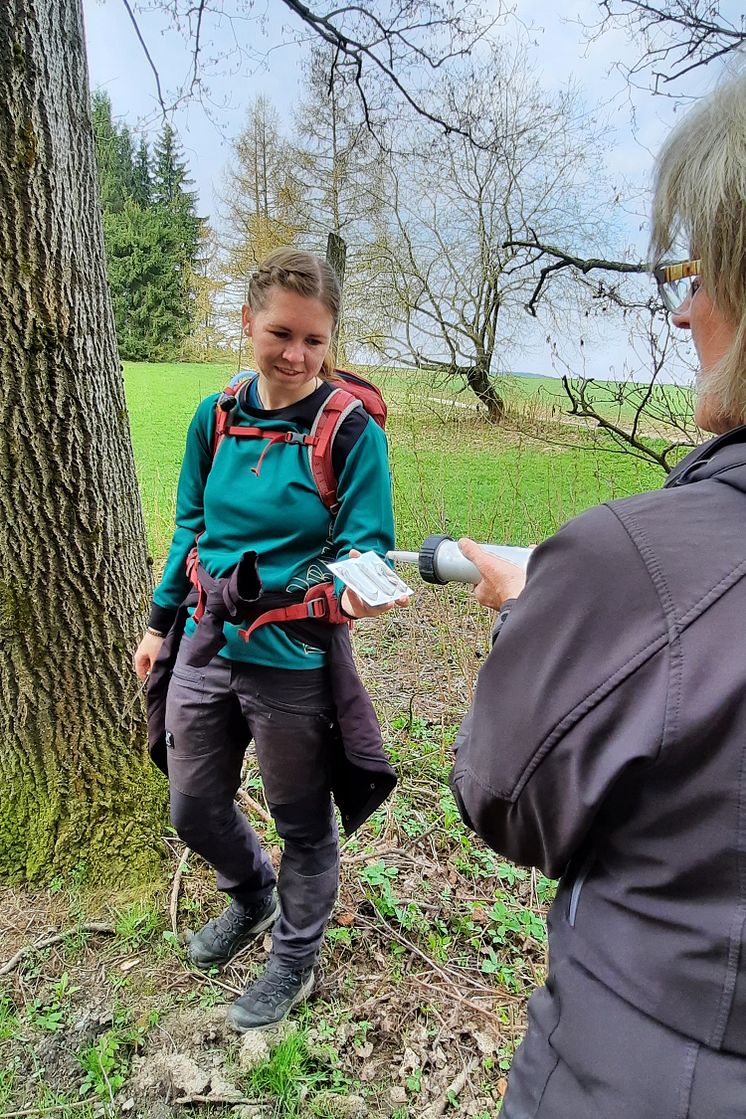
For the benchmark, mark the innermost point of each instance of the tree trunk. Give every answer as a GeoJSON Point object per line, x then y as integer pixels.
{"type": "Point", "coordinates": [74, 576]}
{"type": "Point", "coordinates": [479, 382]}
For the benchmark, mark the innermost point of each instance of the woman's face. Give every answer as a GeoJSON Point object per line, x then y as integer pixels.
{"type": "Point", "coordinates": [291, 337]}
{"type": "Point", "coordinates": [712, 335]}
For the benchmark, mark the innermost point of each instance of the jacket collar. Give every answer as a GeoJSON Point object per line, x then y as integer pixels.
{"type": "Point", "coordinates": [723, 453]}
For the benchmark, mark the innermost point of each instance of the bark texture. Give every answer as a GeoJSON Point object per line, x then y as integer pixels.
{"type": "Point", "coordinates": [480, 383]}
{"type": "Point", "coordinates": [74, 576]}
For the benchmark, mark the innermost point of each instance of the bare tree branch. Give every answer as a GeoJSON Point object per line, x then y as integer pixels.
{"type": "Point", "coordinates": [561, 260]}
{"type": "Point", "coordinates": [356, 51]}
{"type": "Point", "coordinates": [674, 36]}
{"type": "Point", "coordinates": [144, 46]}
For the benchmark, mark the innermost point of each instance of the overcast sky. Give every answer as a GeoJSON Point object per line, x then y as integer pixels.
{"type": "Point", "coordinates": [269, 62]}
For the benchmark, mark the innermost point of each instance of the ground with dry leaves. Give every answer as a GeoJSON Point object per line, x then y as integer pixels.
{"type": "Point", "coordinates": [433, 948]}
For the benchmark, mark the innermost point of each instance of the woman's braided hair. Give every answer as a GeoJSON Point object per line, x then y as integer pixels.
{"type": "Point", "coordinates": [304, 274]}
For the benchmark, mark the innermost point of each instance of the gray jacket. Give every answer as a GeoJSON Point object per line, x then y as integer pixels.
{"type": "Point", "coordinates": [607, 743]}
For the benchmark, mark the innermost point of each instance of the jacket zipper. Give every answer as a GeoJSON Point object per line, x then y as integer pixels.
{"type": "Point", "coordinates": [577, 886]}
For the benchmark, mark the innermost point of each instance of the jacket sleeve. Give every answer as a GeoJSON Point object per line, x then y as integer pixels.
{"type": "Point", "coordinates": [190, 517]}
{"type": "Point", "coordinates": [365, 518]}
{"type": "Point", "coordinates": [573, 694]}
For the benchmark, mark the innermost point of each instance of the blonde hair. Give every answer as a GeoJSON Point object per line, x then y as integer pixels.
{"type": "Point", "coordinates": [700, 194]}
{"type": "Point", "coordinates": [304, 274]}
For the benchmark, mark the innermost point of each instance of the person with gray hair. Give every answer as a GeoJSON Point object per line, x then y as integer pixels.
{"type": "Point", "coordinates": [606, 743]}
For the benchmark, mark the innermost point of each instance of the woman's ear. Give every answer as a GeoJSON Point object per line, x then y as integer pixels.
{"type": "Point", "coordinates": [246, 320]}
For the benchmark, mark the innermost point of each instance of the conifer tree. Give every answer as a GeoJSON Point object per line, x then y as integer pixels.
{"type": "Point", "coordinates": [141, 182]}
{"type": "Point", "coordinates": [113, 145]}
{"type": "Point", "coordinates": [151, 234]}
{"type": "Point", "coordinates": [176, 231]}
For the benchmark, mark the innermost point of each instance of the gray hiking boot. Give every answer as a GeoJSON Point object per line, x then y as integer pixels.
{"type": "Point", "coordinates": [220, 939]}
{"type": "Point", "coordinates": [271, 997]}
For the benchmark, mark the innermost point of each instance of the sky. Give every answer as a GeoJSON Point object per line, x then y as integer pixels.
{"type": "Point", "coordinates": [262, 54]}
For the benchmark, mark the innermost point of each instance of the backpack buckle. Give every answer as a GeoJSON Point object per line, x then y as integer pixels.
{"type": "Point", "coordinates": [294, 437]}
{"type": "Point", "coordinates": [316, 607]}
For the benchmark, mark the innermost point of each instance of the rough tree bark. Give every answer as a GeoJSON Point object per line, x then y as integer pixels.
{"type": "Point", "coordinates": [74, 578]}
{"type": "Point", "coordinates": [480, 383]}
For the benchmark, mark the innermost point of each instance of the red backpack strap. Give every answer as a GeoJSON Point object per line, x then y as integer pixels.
{"type": "Point", "coordinates": [327, 422]}
{"type": "Point", "coordinates": [224, 407]}
{"type": "Point", "coordinates": [320, 603]}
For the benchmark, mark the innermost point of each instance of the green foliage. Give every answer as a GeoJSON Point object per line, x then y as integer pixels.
{"type": "Point", "coordinates": [379, 878]}
{"type": "Point", "coordinates": [106, 1061]}
{"type": "Point", "coordinates": [114, 157]}
{"type": "Point", "coordinates": [151, 233]}
{"type": "Point", "coordinates": [136, 924]}
{"type": "Point", "coordinates": [288, 1074]}
{"type": "Point", "coordinates": [8, 1018]}
{"type": "Point", "coordinates": [144, 254]}
{"type": "Point", "coordinates": [8, 1079]}
{"type": "Point", "coordinates": [51, 1013]}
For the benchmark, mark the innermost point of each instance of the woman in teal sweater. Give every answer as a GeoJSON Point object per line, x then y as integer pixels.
{"type": "Point", "coordinates": [254, 495]}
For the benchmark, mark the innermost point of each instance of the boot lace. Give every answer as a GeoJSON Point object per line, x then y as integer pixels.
{"type": "Point", "coordinates": [277, 984]}
{"type": "Point", "coordinates": [230, 925]}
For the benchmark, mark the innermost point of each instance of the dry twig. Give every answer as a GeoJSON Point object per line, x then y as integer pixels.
{"type": "Point", "coordinates": [174, 906]}
{"type": "Point", "coordinates": [456, 1086]}
{"type": "Point", "coordinates": [232, 1100]}
{"type": "Point", "coordinates": [248, 802]}
{"type": "Point", "coordinates": [48, 942]}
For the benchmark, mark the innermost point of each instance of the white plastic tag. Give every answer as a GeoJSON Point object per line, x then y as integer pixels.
{"type": "Point", "coordinates": [370, 577]}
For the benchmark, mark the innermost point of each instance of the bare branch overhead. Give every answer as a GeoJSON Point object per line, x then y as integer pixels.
{"type": "Point", "coordinates": [383, 48]}
{"type": "Point", "coordinates": [561, 260]}
{"type": "Point", "coordinates": [676, 36]}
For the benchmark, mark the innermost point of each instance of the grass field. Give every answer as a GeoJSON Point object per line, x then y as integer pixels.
{"type": "Point", "coordinates": [451, 471]}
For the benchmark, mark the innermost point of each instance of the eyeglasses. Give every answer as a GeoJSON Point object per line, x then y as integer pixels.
{"type": "Point", "coordinates": [677, 282]}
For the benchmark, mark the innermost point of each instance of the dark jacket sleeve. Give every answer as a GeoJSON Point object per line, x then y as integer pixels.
{"type": "Point", "coordinates": [573, 693]}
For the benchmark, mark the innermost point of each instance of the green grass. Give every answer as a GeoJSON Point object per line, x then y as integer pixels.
{"type": "Point", "coordinates": [290, 1069]}
{"type": "Point", "coordinates": [461, 477]}
{"type": "Point", "coordinates": [451, 473]}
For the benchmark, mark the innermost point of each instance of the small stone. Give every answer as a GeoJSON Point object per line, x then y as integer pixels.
{"type": "Point", "coordinates": [128, 1104]}
{"type": "Point", "coordinates": [398, 1095]}
{"type": "Point", "coordinates": [333, 1106]}
{"type": "Point", "coordinates": [254, 1050]}
{"type": "Point", "coordinates": [486, 1043]}
{"type": "Point", "coordinates": [222, 1088]}
{"type": "Point", "coordinates": [187, 1078]}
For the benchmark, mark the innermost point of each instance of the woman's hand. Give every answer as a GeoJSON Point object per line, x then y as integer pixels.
{"type": "Point", "coordinates": [146, 653]}
{"type": "Point", "coordinates": [356, 607]}
{"type": "Point", "coordinates": [500, 580]}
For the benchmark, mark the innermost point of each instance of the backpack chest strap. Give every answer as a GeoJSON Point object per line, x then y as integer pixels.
{"type": "Point", "coordinates": [272, 437]}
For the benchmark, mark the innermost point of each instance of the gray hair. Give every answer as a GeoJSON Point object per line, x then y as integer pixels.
{"type": "Point", "coordinates": [302, 273]}
{"type": "Point", "coordinates": [700, 195]}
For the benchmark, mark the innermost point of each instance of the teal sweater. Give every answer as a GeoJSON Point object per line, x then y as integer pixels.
{"type": "Point", "coordinates": [278, 514]}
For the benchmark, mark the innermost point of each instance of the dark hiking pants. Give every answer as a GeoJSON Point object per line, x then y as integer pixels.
{"type": "Point", "coordinates": [590, 1055]}
{"type": "Point", "coordinates": [211, 715]}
